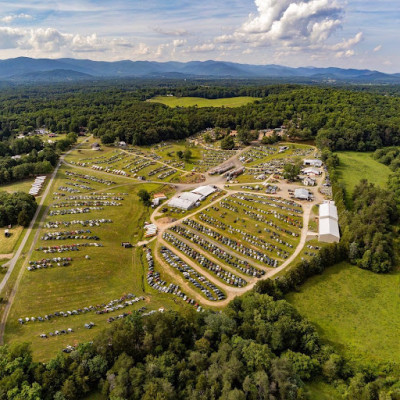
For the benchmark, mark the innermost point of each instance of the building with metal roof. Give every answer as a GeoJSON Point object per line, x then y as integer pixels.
{"type": "Point", "coordinates": [328, 223]}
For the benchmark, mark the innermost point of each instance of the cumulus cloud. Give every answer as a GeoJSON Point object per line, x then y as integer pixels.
{"type": "Point", "coordinates": [377, 48]}
{"type": "Point", "coordinates": [10, 18]}
{"type": "Point", "coordinates": [42, 41]}
{"type": "Point", "coordinates": [293, 25]}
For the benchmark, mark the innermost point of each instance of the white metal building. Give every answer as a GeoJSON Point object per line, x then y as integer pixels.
{"type": "Point", "coordinates": [312, 171]}
{"type": "Point", "coordinates": [328, 223]}
{"type": "Point", "coordinates": [313, 163]}
{"type": "Point", "coordinates": [185, 200]}
{"type": "Point", "coordinates": [204, 191]}
{"type": "Point", "coordinates": [302, 194]}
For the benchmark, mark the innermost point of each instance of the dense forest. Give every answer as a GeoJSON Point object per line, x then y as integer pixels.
{"type": "Point", "coordinates": [34, 156]}
{"type": "Point", "coordinates": [16, 208]}
{"type": "Point", "coordinates": [338, 119]}
{"type": "Point", "coordinates": [258, 348]}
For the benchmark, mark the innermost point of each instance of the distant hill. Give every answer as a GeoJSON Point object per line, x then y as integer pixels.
{"type": "Point", "coordinates": [65, 69]}
{"type": "Point", "coordinates": [55, 75]}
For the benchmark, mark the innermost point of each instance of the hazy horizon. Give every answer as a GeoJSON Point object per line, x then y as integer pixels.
{"type": "Point", "coordinates": [320, 33]}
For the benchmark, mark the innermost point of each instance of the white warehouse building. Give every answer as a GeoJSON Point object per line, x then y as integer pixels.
{"type": "Point", "coordinates": [328, 223]}
{"type": "Point", "coordinates": [188, 200]}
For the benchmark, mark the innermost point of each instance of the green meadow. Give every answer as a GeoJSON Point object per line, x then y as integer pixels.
{"type": "Point", "coordinates": [356, 166]}
{"type": "Point", "coordinates": [200, 102]}
{"type": "Point", "coordinates": [355, 310]}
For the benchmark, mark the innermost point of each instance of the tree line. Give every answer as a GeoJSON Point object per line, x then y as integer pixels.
{"type": "Point", "coordinates": [36, 157]}
{"type": "Point", "coordinates": [258, 348]}
{"type": "Point", "coordinates": [16, 208]}
{"type": "Point", "coordinates": [368, 221]}
{"type": "Point", "coordinates": [337, 118]}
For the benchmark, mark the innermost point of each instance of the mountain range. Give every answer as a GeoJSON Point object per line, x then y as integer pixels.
{"type": "Point", "coordinates": [24, 69]}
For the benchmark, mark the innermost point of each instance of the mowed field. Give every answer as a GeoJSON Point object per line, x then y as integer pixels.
{"type": "Point", "coordinates": [355, 310]}
{"type": "Point", "coordinates": [200, 102]}
{"type": "Point", "coordinates": [23, 186]}
{"type": "Point", "coordinates": [109, 273]}
{"type": "Point", "coordinates": [355, 166]}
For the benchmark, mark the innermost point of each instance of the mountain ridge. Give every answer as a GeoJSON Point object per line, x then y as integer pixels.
{"type": "Point", "coordinates": [25, 68]}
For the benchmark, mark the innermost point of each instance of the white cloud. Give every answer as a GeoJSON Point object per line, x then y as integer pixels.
{"type": "Point", "coordinates": [377, 48]}
{"type": "Point", "coordinates": [10, 18]}
{"type": "Point", "coordinates": [51, 42]}
{"type": "Point", "coordinates": [202, 48]}
{"type": "Point", "coordinates": [293, 26]}
{"type": "Point", "coordinates": [174, 32]}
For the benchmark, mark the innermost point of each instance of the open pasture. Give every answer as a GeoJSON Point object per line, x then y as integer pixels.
{"type": "Point", "coordinates": [7, 245]}
{"type": "Point", "coordinates": [355, 310]}
{"type": "Point", "coordinates": [354, 166]}
{"type": "Point", "coordinates": [23, 186]}
{"type": "Point", "coordinates": [172, 101]}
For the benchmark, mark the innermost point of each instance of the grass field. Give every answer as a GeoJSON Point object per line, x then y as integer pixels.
{"type": "Point", "coordinates": [322, 391]}
{"type": "Point", "coordinates": [355, 166]}
{"type": "Point", "coordinates": [23, 186]}
{"type": "Point", "coordinates": [355, 310]}
{"type": "Point", "coordinates": [7, 244]}
{"type": "Point", "coordinates": [200, 102]}
{"type": "Point", "coordinates": [109, 273]}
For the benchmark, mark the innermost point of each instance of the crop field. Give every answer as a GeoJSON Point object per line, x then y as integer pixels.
{"type": "Point", "coordinates": [355, 310]}
{"type": "Point", "coordinates": [200, 102]}
{"type": "Point", "coordinates": [355, 166]}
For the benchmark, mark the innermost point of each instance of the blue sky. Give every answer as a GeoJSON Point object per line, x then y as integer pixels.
{"type": "Point", "coordinates": [344, 33]}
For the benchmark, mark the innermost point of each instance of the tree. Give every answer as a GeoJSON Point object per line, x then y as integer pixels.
{"type": "Point", "coordinates": [227, 143]}
{"type": "Point", "coordinates": [291, 171]}
{"type": "Point", "coordinates": [179, 154]}
{"type": "Point", "coordinates": [187, 155]}
{"type": "Point", "coordinates": [208, 138]}
{"type": "Point", "coordinates": [23, 218]}
{"type": "Point", "coordinates": [144, 196]}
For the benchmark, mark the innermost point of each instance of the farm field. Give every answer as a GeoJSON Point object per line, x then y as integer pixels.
{"type": "Point", "coordinates": [355, 310]}
{"type": "Point", "coordinates": [355, 166]}
{"type": "Point", "coordinates": [200, 102]}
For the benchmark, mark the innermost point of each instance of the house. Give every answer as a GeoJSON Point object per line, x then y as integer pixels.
{"type": "Point", "coordinates": [313, 163]}
{"type": "Point", "coordinates": [95, 146]}
{"type": "Point", "coordinates": [328, 223]}
{"type": "Point", "coordinates": [307, 181]}
{"type": "Point", "coordinates": [302, 194]}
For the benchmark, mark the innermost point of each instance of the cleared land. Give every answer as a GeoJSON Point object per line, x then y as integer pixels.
{"type": "Point", "coordinates": [7, 244]}
{"type": "Point", "coordinates": [23, 186]}
{"type": "Point", "coordinates": [199, 102]}
{"type": "Point", "coordinates": [356, 166]}
{"type": "Point", "coordinates": [355, 310]}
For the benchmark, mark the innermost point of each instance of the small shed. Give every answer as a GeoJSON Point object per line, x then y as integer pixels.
{"type": "Point", "coordinates": [95, 146]}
